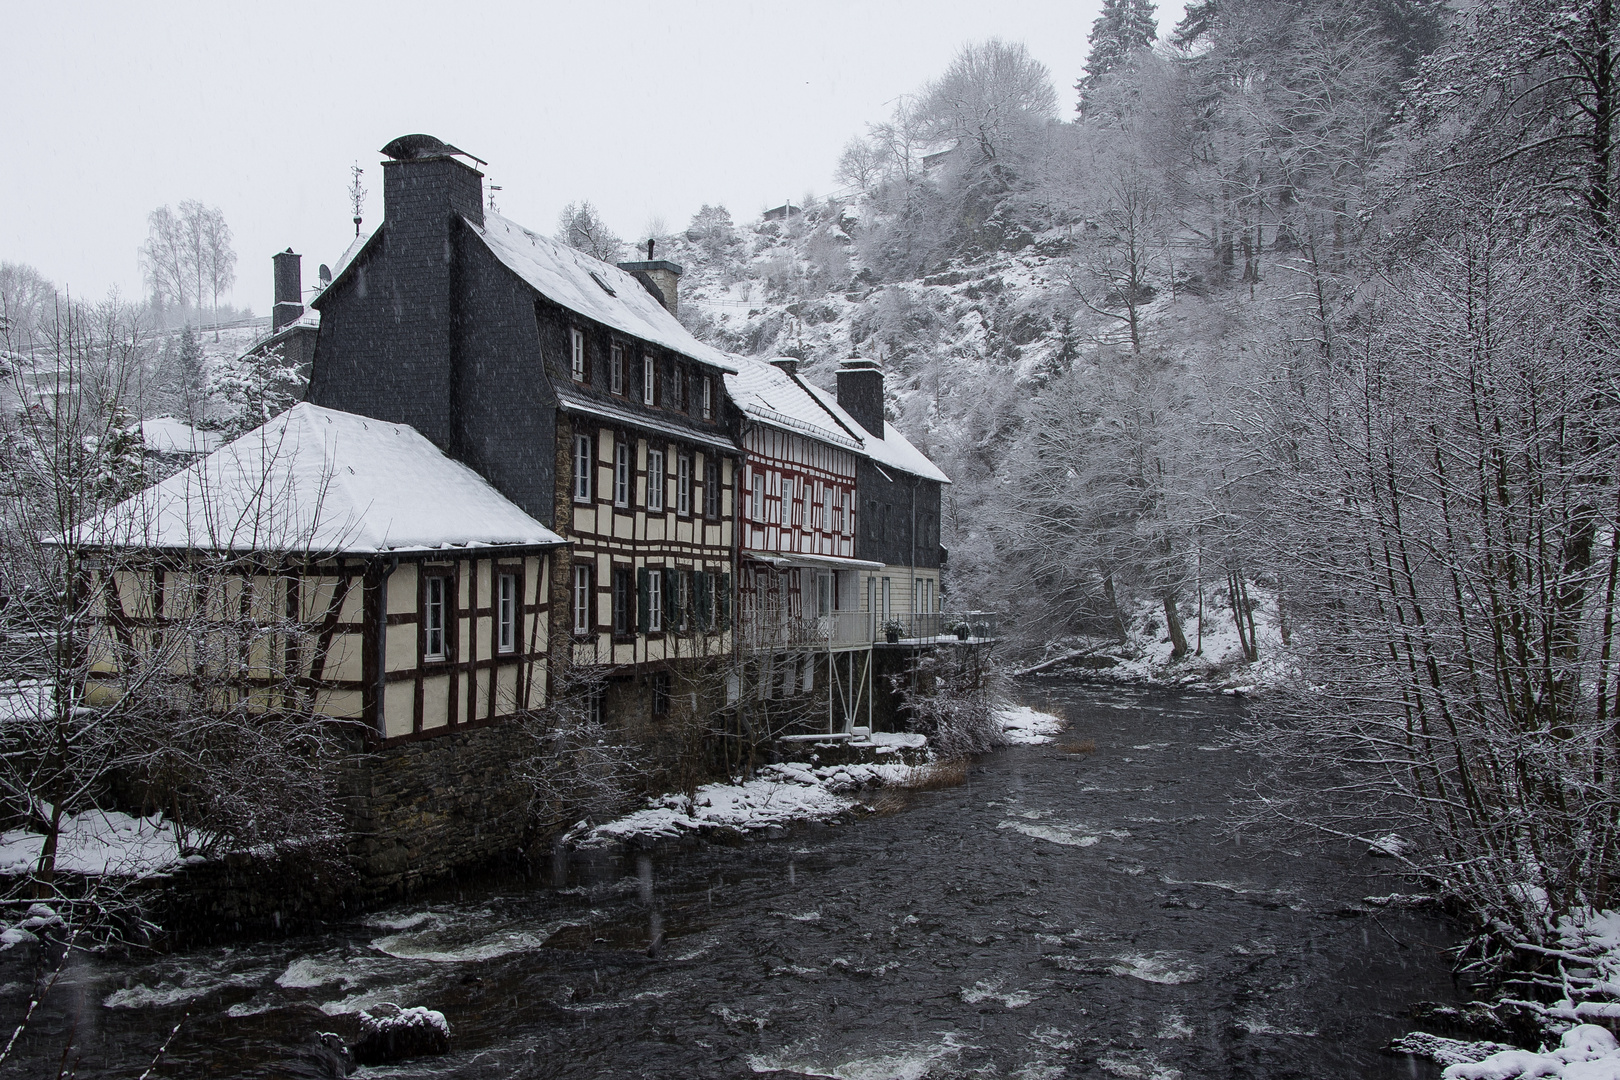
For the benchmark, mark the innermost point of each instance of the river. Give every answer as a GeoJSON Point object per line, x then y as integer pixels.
{"type": "Point", "coordinates": [1062, 913]}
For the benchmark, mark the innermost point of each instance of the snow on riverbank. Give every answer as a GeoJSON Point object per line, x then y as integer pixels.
{"type": "Point", "coordinates": [1586, 1052]}
{"type": "Point", "coordinates": [96, 842]}
{"type": "Point", "coordinates": [779, 795]}
{"type": "Point", "coordinates": [794, 792]}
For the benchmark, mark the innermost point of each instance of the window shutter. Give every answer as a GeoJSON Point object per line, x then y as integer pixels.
{"type": "Point", "coordinates": [700, 583]}
{"type": "Point", "coordinates": [642, 620]}
{"type": "Point", "coordinates": [725, 601]}
{"type": "Point", "coordinates": [672, 600]}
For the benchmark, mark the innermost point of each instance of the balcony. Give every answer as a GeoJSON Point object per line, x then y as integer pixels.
{"type": "Point", "coordinates": [861, 629]}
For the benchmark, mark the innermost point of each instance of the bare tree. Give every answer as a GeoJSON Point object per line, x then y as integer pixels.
{"type": "Point", "coordinates": [860, 166]}
{"type": "Point", "coordinates": [580, 226]}
{"type": "Point", "coordinates": [164, 258]}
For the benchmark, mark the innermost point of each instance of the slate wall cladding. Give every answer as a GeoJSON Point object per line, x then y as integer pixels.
{"type": "Point", "coordinates": [507, 412]}
{"type": "Point", "coordinates": [385, 345]}
{"type": "Point", "coordinates": [884, 527]}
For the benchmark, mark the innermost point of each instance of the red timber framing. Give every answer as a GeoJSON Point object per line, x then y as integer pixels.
{"type": "Point", "coordinates": [806, 503]}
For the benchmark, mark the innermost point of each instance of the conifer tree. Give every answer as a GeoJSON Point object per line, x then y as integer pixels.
{"type": "Point", "coordinates": [1123, 27]}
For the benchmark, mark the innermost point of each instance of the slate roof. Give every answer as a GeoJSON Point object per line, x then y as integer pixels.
{"type": "Point", "coordinates": [321, 481]}
{"type": "Point", "coordinates": [591, 287]}
{"type": "Point", "coordinates": [768, 395]}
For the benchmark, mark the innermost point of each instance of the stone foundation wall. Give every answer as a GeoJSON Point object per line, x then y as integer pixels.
{"type": "Point", "coordinates": [421, 810]}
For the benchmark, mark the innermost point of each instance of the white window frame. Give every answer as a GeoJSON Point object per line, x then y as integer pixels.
{"type": "Point", "coordinates": [506, 613]}
{"type": "Point", "coordinates": [708, 397]}
{"type": "Point", "coordinates": [622, 477]}
{"type": "Point", "coordinates": [649, 381]}
{"type": "Point", "coordinates": [756, 498]}
{"type": "Point", "coordinates": [583, 464]}
{"type": "Point", "coordinates": [576, 360]}
{"type": "Point", "coordinates": [583, 623]}
{"type": "Point", "coordinates": [616, 369]}
{"type": "Point", "coordinates": [655, 601]}
{"type": "Point", "coordinates": [826, 510]}
{"type": "Point", "coordinates": [655, 480]}
{"type": "Point", "coordinates": [435, 641]}
{"type": "Point", "coordinates": [683, 485]}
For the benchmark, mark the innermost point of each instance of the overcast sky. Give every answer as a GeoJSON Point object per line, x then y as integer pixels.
{"type": "Point", "coordinates": [644, 108]}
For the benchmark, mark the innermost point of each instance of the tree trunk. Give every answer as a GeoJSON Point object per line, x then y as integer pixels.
{"type": "Point", "coordinates": [1172, 622]}
{"type": "Point", "coordinates": [1113, 605]}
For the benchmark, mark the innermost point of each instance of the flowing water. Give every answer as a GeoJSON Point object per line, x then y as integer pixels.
{"type": "Point", "coordinates": [1062, 913]}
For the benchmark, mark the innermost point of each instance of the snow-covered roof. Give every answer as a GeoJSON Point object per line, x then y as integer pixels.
{"type": "Point", "coordinates": [894, 450]}
{"type": "Point", "coordinates": [593, 288]}
{"type": "Point", "coordinates": [320, 480]}
{"type": "Point", "coordinates": [350, 253]}
{"type": "Point", "coordinates": [169, 435]}
{"type": "Point", "coordinates": [768, 395]}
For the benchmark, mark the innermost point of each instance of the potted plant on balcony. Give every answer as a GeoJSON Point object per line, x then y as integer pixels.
{"type": "Point", "coordinates": [892, 631]}
{"type": "Point", "coordinates": [962, 631]}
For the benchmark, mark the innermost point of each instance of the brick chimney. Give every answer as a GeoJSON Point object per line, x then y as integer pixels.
{"type": "Point", "coordinates": [860, 392]}
{"type": "Point", "coordinates": [659, 277]}
{"type": "Point", "coordinates": [289, 289]}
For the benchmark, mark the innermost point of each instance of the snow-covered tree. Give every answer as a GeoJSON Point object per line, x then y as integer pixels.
{"type": "Point", "coordinates": [1120, 29]}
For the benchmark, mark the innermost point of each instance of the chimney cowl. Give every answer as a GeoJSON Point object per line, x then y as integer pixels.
{"type": "Point", "coordinates": [860, 392]}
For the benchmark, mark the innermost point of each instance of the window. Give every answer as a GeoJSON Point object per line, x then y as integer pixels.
{"type": "Point", "coordinates": [826, 510]}
{"type": "Point", "coordinates": [683, 485]}
{"type": "Point", "coordinates": [582, 468]}
{"type": "Point", "coordinates": [616, 369]}
{"type": "Point", "coordinates": [824, 594]}
{"type": "Point", "coordinates": [433, 620]}
{"type": "Point", "coordinates": [708, 397]}
{"type": "Point", "coordinates": [655, 480]}
{"type": "Point", "coordinates": [506, 613]}
{"type": "Point", "coordinates": [649, 381]}
{"type": "Point", "coordinates": [623, 598]}
{"type": "Point", "coordinates": [583, 623]}
{"type": "Point", "coordinates": [621, 473]}
{"type": "Point", "coordinates": [848, 526]}
{"type": "Point", "coordinates": [837, 499]}
{"type": "Point", "coordinates": [794, 494]}
{"type": "Point", "coordinates": [576, 351]}
{"type": "Point", "coordinates": [660, 687]}
{"type": "Point", "coordinates": [887, 609]}
{"type": "Point", "coordinates": [758, 501]}
{"type": "Point", "coordinates": [655, 601]}
{"type": "Point", "coordinates": [711, 488]}
{"type": "Point", "coordinates": [677, 388]}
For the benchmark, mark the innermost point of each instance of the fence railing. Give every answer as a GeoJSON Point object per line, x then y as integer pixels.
{"type": "Point", "coordinates": [857, 629]}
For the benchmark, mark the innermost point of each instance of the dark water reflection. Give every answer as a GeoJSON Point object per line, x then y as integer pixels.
{"type": "Point", "coordinates": [1061, 914]}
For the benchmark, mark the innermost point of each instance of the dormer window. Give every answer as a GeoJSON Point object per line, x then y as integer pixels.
{"type": "Point", "coordinates": [616, 369]}
{"type": "Point", "coordinates": [576, 341]}
{"type": "Point", "coordinates": [649, 381]}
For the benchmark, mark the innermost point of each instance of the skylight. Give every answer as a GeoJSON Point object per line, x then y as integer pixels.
{"type": "Point", "coordinates": [602, 283]}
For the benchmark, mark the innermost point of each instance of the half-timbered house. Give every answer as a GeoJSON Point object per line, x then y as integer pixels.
{"type": "Point", "coordinates": [799, 591]}
{"type": "Point", "coordinates": [341, 566]}
{"type": "Point", "coordinates": [570, 385]}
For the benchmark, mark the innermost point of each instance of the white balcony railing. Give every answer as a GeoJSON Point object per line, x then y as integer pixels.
{"type": "Point", "coordinates": [858, 629]}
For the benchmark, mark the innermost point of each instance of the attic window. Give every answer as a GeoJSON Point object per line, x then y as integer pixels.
{"type": "Point", "coordinates": [602, 283]}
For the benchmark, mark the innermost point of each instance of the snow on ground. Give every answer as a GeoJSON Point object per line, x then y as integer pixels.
{"type": "Point", "coordinates": [99, 842]}
{"type": "Point", "coordinates": [1023, 725]}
